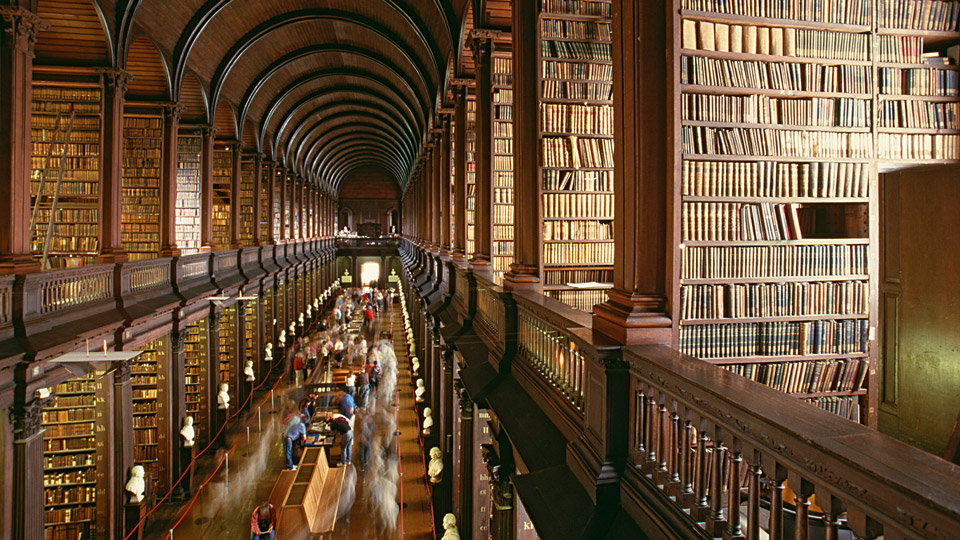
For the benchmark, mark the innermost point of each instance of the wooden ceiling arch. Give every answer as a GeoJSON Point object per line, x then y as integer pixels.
{"type": "Point", "coordinates": [354, 109]}
{"type": "Point", "coordinates": [269, 73]}
{"type": "Point", "coordinates": [396, 97]}
{"type": "Point", "coordinates": [329, 151]}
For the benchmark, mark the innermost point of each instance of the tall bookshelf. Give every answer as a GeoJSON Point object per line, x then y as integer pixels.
{"type": "Point", "coordinates": [150, 414]}
{"type": "Point", "coordinates": [75, 238]}
{"type": "Point", "coordinates": [785, 117]}
{"type": "Point", "coordinates": [502, 204]}
{"type": "Point", "coordinates": [246, 202]}
{"type": "Point", "coordinates": [471, 157]}
{"type": "Point", "coordinates": [268, 316]}
{"type": "Point", "coordinates": [222, 180]}
{"type": "Point", "coordinates": [195, 376]}
{"type": "Point", "coordinates": [287, 208]}
{"type": "Point", "coordinates": [264, 195]}
{"type": "Point", "coordinates": [72, 467]}
{"type": "Point", "coordinates": [140, 213]}
{"type": "Point", "coordinates": [576, 136]}
{"type": "Point", "coordinates": [277, 191]}
{"type": "Point", "coordinates": [282, 321]}
{"type": "Point", "coordinates": [251, 334]}
{"type": "Point", "coordinates": [188, 223]}
{"type": "Point", "coordinates": [227, 352]}
{"type": "Point", "coordinates": [453, 182]}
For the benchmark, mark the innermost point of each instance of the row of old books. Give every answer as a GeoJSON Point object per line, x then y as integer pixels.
{"type": "Point", "coordinates": [578, 205]}
{"type": "Point", "coordinates": [576, 50]}
{"type": "Point", "coordinates": [579, 119]}
{"type": "Point", "coordinates": [578, 253]}
{"type": "Point", "coordinates": [576, 152]}
{"type": "Point", "coordinates": [760, 300]}
{"type": "Point", "coordinates": [854, 12]}
{"type": "Point", "coordinates": [585, 30]}
{"type": "Point", "coordinates": [789, 111]}
{"type": "Point", "coordinates": [783, 143]}
{"type": "Point", "coordinates": [919, 114]}
{"type": "Point", "coordinates": [593, 8]}
{"type": "Point", "coordinates": [735, 38]}
{"type": "Point", "coordinates": [577, 230]}
{"type": "Point", "coordinates": [773, 262]}
{"type": "Point", "coordinates": [818, 376]}
{"type": "Point", "coordinates": [777, 76]}
{"type": "Point", "coordinates": [774, 179]}
{"type": "Point", "coordinates": [771, 339]}
{"type": "Point", "coordinates": [572, 90]}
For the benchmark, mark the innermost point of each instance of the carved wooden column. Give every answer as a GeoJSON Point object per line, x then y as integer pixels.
{"type": "Point", "coordinates": [257, 193]}
{"type": "Point", "coordinates": [20, 29]}
{"type": "Point", "coordinates": [481, 42]}
{"type": "Point", "coordinates": [237, 156]}
{"type": "Point", "coordinates": [436, 211]}
{"type": "Point", "coordinates": [465, 519]}
{"type": "Point", "coordinates": [208, 134]}
{"type": "Point", "coordinates": [168, 180]}
{"type": "Point", "coordinates": [291, 187]}
{"type": "Point", "coordinates": [460, 167]}
{"type": "Point", "coordinates": [111, 181]}
{"type": "Point", "coordinates": [502, 522]}
{"type": "Point", "coordinates": [635, 311]}
{"type": "Point", "coordinates": [27, 471]}
{"type": "Point", "coordinates": [178, 404]}
{"type": "Point", "coordinates": [445, 141]}
{"type": "Point", "coordinates": [525, 270]}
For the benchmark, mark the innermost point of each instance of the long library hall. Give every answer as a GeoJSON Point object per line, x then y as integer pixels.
{"type": "Point", "coordinates": [485, 269]}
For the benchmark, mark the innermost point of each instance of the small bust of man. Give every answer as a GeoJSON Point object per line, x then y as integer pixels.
{"type": "Point", "coordinates": [435, 467]}
{"type": "Point", "coordinates": [420, 391]}
{"type": "Point", "coordinates": [450, 531]}
{"type": "Point", "coordinates": [248, 371]}
{"type": "Point", "coordinates": [135, 485]}
{"type": "Point", "coordinates": [223, 397]}
{"type": "Point", "coordinates": [187, 433]}
{"type": "Point", "coordinates": [268, 353]}
{"type": "Point", "coordinates": [427, 420]}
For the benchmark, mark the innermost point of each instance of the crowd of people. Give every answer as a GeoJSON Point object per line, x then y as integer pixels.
{"type": "Point", "coordinates": [360, 413]}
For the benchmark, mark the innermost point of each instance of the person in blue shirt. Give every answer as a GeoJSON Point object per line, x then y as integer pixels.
{"type": "Point", "coordinates": [295, 430]}
{"type": "Point", "coordinates": [347, 405]}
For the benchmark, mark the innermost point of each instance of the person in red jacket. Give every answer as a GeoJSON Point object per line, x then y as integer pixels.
{"type": "Point", "coordinates": [263, 522]}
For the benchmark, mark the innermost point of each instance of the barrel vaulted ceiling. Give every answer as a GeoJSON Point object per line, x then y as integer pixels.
{"type": "Point", "coordinates": [323, 87]}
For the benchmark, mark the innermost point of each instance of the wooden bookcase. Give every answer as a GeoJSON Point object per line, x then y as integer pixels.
{"type": "Point", "coordinates": [228, 353]}
{"type": "Point", "coordinates": [453, 182]}
{"type": "Point", "coordinates": [282, 321]}
{"type": "Point", "coordinates": [251, 336]}
{"type": "Point", "coordinates": [264, 195]}
{"type": "Point", "coordinates": [76, 234]}
{"type": "Point", "coordinates": [785, 115]}
{"type": "Point", "coordinates": [287, 208]}
{"type": "Point", "coordinates": [246, 202]}
{"type": "Point", "coordinates": [188, 192]}
{"type": "Point", "coordinates": [278, 227]}
{"type": "Point", "coordinates": [471, 157]}
{"type": "Point", "coordinates": [195, 376]}
{"type": "Point", "coordinates": [222, 181]}
{"type": "Point", "coordinates": [140, 213]}
{"type": "Point", "coordinates": [502, 181]}
{"type": "Point", "coordinates": [73, 470]}
{"type": "Point", "coordinates": [268, 318]}
{"type": "Point", "coordinates": [576, 135]}
{"type": "Point", "coordinates": [150, 414]}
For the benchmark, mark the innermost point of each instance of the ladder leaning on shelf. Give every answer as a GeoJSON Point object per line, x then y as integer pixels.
{"type": "Point", "coordinates": [51, 225]}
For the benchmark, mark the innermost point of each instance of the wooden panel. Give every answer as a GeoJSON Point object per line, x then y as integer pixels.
{"type": "Point", "coordinates": [249, 136]}
{"type": "Point", "coordinates": [226, 129]}
{"type": "Point", "coordinates": [75, 37]}
{"type": "Point", "coordinates": [146, 66]}
{"type": "Point", "coordinates": [193, 100]}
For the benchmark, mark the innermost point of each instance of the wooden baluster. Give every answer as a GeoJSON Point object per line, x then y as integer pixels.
{"type": "Point", "coordinates": [676, 449]}
{"type": "Point", "coordinates": [651, 430]}
{"type": "Point", "coordinates": [664, 430]}
{"type": "Point", "coordinates": [753, 499]}
{"type": "Point", "coordinates": [686, 476]}
{"type": "Point", "coordinates": [733, 500]}
{"type": "Point", "coordinates": [715, 517]}
{"type": "Point", "coordinates": [803, 511]}
{"type": "Point", "coordinates": [831, 527]}
{"type": "Point", "coordinates": [776, 502]}
{"type": "Point", "coordinates": [700, 489]}
{"type": "Point", "coordinates": [640, 425]}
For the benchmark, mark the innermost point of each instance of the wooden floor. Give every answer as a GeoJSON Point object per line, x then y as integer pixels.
{"type": "Point", "coordinates": [223, 507]}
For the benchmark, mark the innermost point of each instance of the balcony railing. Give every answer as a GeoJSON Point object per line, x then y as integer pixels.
{"type": "Point", "coordinates": [62, 289]}
{"type": "Point", "coordinates": [727, 450]}
{"type": "Point", "coordinates": [359, 242]}
{"type": "Point", "coordinates": [146, 275]}
{"type": "Point", "coordinates": [553, 355]}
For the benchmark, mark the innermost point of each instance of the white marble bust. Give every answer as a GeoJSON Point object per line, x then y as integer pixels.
{"type": "Point", "coordinates": [420, 391]}
{"type": "Point", "coordinates": [223, 397]}
{"type": "Point", "coordinates": [283, 338]}
{"type": "Point", "coordinates": [248, 371]}
{"type": "Point", "coordinates": [187, 433]}
{"type": "Point", "coordinates": [450, 531]}
{"type": "Point", "coordinates": [427, 420]}
{"type": "Point", "coordinates": [415, 364]}
{"type": "Point", "coordinates": [435, 467]}
{"type": "Point", "coordinates": [268, 353]}
{"type": "Point", "coordinates": [135, 485]}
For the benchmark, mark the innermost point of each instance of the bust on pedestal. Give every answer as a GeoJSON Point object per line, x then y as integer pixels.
{"type": "Point", "coordinates": [420, 391]}
{"type": "Point", "coordinates": [435, 468]}
{"type": "Point", "coordinates": [268, 353]}
{"type": "Point", "coordinates": [450, 528]}
{"type": "Point", "coordinates": [427, 421]}
{"type": "Point", "coordinates": [133, 508]}
{"type": "Point", "coordinates": [223, 411]}
{"type": "Point", "coordinates": [188, 438]}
